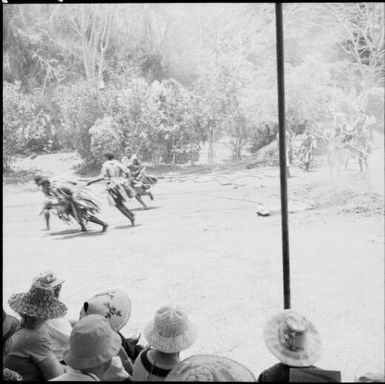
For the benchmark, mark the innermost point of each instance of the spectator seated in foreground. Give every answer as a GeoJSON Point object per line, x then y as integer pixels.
{"type": "Point", "coordinates": [168, 333]}
{"type": "Point", "coordinates": [59, 329]}
{"type": "Point", "coordinates": [294, 341]}
{"type": "Point", "coordinates": [115, 306]}
{"type": "Point", "coordinates": [90, 350]}
{"type": "Point", "coordinates": [10, 326]}
{"type": "Point", "coordinates": [28, 351]}
{"type": "Point", "coordinates": [210, 368]}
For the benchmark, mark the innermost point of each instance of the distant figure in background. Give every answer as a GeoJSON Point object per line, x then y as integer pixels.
{"type": "Point", "coordinates": [168, 333]}
{"type": "Point", "coordinates": [210, 368]}
{"type": "Point", "coordinates": [361, 141]}
{"type": "Point", "coordinates": [294, 341]}
{"type": "Point", "coordinates": [28, 351]}
{"type": "Point", "coordinates": [347, 130]}
{"type": "Point", "coordinates": [90, 350]}
{"type": "Point", "coordinates": [118, 188]}
{"type": "Point", "coordinates": [306, 149]}
{"type": "Point", "coordinates": [59, 329]}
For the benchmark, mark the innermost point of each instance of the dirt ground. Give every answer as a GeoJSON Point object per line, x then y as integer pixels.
{"type": "Point", "coordinates": [202, 246]}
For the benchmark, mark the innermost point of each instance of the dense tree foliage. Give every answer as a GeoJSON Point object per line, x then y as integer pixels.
{"type": "Point", "coordinates": [161, 79]}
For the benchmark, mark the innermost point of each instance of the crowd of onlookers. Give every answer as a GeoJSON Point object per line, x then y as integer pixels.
{"type": "Point", "coordinates": [44, 345]}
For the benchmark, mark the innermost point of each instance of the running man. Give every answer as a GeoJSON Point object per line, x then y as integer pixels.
{"type": "Point", "coordinates": [69, 202]}
{"type": "Point", "coordinates": [118, 185]}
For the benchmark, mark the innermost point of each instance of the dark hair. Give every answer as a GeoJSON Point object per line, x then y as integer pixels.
{"type": "Point", "coordinates": [109, 155]}
{"type": "Point", "coordinates": [38, 179]}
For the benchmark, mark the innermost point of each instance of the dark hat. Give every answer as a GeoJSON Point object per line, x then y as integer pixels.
{"type": "Point", "coordinates": [39, 302]}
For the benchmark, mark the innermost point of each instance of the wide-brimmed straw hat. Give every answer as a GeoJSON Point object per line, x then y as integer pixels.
{"type": "Point", "coordinates": [170, 330]}
{"type": "Point", "coordinates": [114, 305]}
{"type": "Point", "coordinates": [10, 325]}
{"type": "Point", "coordinates": [48, 278]}
{"type": "Point", "coordinates": [210, 368]}
{"type": "Point", "coordinates": [292, 339]}
{"type": "Point", "coordinates": [38, 302]}
{"type": "Point", "coordinates": [92, 342]}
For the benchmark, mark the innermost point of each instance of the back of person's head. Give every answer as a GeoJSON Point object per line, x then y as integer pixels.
{"type": "Point", "coordinates": [292, 339]}
{"type": "Point", "coordinates": [210, 368]}
{"type": "Point", "coordinates": [92, 344]}
{"type": "Point", "coordinates": [170, 330]}
{"type": "Point", "coordinates": [370, 373]}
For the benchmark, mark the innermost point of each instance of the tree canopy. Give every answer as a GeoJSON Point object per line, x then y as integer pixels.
{"type": "Point", "coordinates": [160, 79]}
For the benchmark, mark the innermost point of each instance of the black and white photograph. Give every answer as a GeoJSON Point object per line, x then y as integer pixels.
{"type": "Point", "coordinates": [193, 191]}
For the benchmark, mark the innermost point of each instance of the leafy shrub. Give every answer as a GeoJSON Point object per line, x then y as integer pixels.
{"type": "Point", "coordinates": [106, 136]}
{"type": "Point", "coordinates": [19, 119]}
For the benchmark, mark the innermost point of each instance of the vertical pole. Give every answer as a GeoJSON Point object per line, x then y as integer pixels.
{"type": "Point", "coordinates": [282, 156]}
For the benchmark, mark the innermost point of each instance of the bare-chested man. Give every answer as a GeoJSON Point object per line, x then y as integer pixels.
{"type": "Point", "coordinates": [69, 202]}
{"type": "Point", "coordinates": [118, 188]}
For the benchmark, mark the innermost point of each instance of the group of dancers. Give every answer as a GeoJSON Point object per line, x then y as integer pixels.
{"type": "Point", "coordinates": [75, 201]}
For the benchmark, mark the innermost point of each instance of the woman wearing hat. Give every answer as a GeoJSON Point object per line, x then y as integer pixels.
{"type": "Point", "coordinates": [59, 329]}
{"type": "Point", "coordinates": [28, 351]}
{"type": "Point", "coordinates": [294, 341]}
{"type": "Point", "coordinates": [115, 306]}
{"type": "Point", "coordinates": [90, 350]}
{"type": "Point", "coordinates": [168, 333]}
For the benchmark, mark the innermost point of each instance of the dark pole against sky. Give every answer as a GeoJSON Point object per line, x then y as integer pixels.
{"type": "Point", "coordinates": [282, 156]}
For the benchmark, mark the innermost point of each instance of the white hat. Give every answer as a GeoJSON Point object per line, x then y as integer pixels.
{"type": "Point", "coordinates": [292, 339]}
{"type": "Point", "coordinates": [92, 343]}
{"type": "Point", "coordinates": [170, 330]}
{"type": "Point", "coordinates": [114, 305]}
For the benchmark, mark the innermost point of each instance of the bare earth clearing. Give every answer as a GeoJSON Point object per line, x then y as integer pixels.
{"type": "Point", "coordinates": [204, 247]}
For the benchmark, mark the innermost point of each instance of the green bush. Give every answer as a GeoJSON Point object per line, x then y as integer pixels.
{"type": "Point", "coordinates": [106, 136]}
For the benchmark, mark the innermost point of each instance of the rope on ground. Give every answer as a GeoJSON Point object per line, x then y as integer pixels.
{"type": "Point", "coordinates": [215, 196]}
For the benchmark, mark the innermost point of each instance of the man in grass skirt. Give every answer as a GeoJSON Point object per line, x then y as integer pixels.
{"type": "Point", "coordinates": [139, 181]}
{"type": "Point", "coordinates": [118, 185]}
{"type": "Point", "coordinates": [69, 201]}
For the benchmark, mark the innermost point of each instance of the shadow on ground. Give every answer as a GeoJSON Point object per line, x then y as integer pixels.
{"type": "Point", "coordinates": [81, 234]}
{"type": "Point", "coordinates": [127, 226]}
{"type": "Point", "coordinates": [141, 209]}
